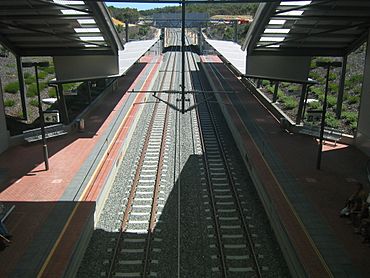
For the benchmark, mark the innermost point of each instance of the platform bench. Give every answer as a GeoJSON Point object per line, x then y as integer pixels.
{"type": "Point", "coordinates": [33, 135]}
{"type": "Point", "coordinates": [330, 134]}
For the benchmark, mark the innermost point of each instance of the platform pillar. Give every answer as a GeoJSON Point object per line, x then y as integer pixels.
{"type": "Point", "coordinates": [341, 87]}
{"type": "Point", "coordinates": [235, 31]}
{"type": "Point", "coordinates": [301, 104]}
{"type": "Point", "coordinates": [362, 137]}
{"type": "Point", "coordinates": [22, 87]}
{"type": "Point", "coordinates": [4, 134]}
{"type": "Point", "coordinates": [126, 32]}
{"type": "Point", "coordinates": [276, 89]}
{"type": "Point", "coordinates": [63, 105]}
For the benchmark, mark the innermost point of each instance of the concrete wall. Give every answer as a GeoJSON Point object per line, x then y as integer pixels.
{"type": "Point", "coordinates": [279, 67]}
{"type": "Point", "coordinates": [362, 139]}
{"type": "Point", "coordinates": [4, 134]}
{"type": "Point", "coordinates": [82, 67]}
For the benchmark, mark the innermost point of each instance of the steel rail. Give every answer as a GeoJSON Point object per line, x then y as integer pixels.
{"type": "Point", "coordinates": [213, 206]}
{"type": "Point", "coordinates": [245, 227]}
{"type": "Point", "coordinates": [156, 190]}
{"type": "Point", "coordinates": [233, 187]}
{"type": "Point", "coordinates": [134, 185]}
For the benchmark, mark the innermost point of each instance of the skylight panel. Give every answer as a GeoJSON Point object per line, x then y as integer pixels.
{"type": "Point", "coordinates": [293, 13]}
{"type": "Point", "coordinates": [277, 30]}
{"type": "Point", "coordinates": [96, 38]}
{"type": "Point", "coordinates": [86, 21]}
{"type": "Point", "coordinates": [295, 3]}
{"type": "Point", "coordinates": [277, 22]}
{"type": "Point", "coordinates": [87, 30]}
{"type": "Point", "coordinates": [271, 39]}
{"type": "Point", "coordinates": [69, 2]}
{"type": "Point", "coordinates": [72, 12]}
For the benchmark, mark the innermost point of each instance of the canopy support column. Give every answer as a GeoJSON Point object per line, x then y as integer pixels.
{"type": "Point", "coordinates": [341, 87]}
{"type": "Point", "coordinates": [22, 87]}
{"type": "Point", "coordinates": [301, 104]}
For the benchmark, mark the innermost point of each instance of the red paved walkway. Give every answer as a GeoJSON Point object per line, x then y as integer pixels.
{"type": "Point", "coordinates": [35, 192]}
{"type": "Point", "coordinates": [326, 189]}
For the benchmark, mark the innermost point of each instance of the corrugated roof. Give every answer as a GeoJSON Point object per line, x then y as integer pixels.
{"type": "Point", "coordinates": [57, 27]}
{"type": "Point", "coordinates": [313, 28]}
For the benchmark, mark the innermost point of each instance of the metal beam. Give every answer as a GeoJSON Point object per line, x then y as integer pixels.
{"type": "Point", "coordinates": [338, 111]}
{"type": "Point", "coordinates": [22, 87]}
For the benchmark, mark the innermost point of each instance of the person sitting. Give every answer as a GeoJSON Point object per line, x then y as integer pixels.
{"type": "Point", "coordinates": [354, 203]}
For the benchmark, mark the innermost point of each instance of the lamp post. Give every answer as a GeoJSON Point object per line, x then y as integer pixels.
{"type": "Point", "coordinates": [42, 123]}
{"type": "Point", "coordinates": [326, 65]}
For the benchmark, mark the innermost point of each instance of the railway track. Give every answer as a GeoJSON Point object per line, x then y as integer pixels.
{"type": "Point", "coordinates": [190, 200]}
{"type": "Point", "coordinates": [235, 251]}
{"type": "Point", "coordinates": [133, 253]}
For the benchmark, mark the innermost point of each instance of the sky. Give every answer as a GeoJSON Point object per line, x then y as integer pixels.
{"type": "Point", "coordinates": [140, 6]}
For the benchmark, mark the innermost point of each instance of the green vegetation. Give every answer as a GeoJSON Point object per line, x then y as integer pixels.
{"type": "Point", "coordinates": [34, 102]}
{"type": "Point", "coordinates": [333, 87]}
{"type": "Point", "coordinates": [9, 102]}
{"type": "Point", "coordinates": [331, 121]}
{"type": "Point", "coordinates": [332, 101]}
{"type": "Point", "coordinates": [225, 9]}
{"type": "Point", "coordinates": [266, 83]}
{"type": "Point", "coordinates": [314, 105]}
{"type": "Point", "coordinates": [70, 87]}
{"type": "Point", "coordinates": [332, 76]}
{"type": "Point", "coordinates": [29, 80]}
{"type": "Point", "coordinates": [32, 89]}
{"type": "Point", "coordinates": [42, 74]}
{"type": "Point", "coordinates": [350, 117]}
{"type": "Point", "coordinates": [12, 87]}
{"type": "Point", "coordinates": [353, 99]}
{"type": "Point", "coordinates": [52, 93]}
{"type": "Point", "coordinates": [50, 69]}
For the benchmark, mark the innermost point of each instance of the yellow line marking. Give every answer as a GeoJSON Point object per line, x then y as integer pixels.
{"type": "Point", "coordinates": [98, 168]}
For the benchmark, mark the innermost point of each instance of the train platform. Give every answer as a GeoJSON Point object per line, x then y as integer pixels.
{"type": "Point", "coordinates": [303, 202]}
{"type": "Point", "coordinates": [54, 209]}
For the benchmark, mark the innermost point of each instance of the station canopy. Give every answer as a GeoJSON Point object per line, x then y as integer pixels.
{"type": "Point", "coordinates": [57, 28]}
{"type": "Point", "coordinates": [308, 28]}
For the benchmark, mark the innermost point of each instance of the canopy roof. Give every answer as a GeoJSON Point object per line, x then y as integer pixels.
{"type": "Point", "coordinates": [57, 28]}
{"type": "Point", "coordinates": [308, 28]}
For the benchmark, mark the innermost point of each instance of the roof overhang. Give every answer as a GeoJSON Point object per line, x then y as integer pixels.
{"type": "Point", "coordinates": [308, 28]}
{"type": "Point", "coordinates": [57, 28]}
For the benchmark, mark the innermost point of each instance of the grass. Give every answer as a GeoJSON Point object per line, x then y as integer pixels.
{"type": "Point", "coordinates": [12, 87]}
{"type": "Point", "coordinates": [43, 74]}
{"type": "Point", "coordinates": [315, 105]}
{"type": "Point", "coordinates": [70, 86]}
{"type": "Point", "coordinates": [29, 80]}
{"type": "Point", "coordinates": [331, 101]}
{"type": "Point", "coordinates": [9, 102]}
{"type": "Point", "coordinates": [50, 69]}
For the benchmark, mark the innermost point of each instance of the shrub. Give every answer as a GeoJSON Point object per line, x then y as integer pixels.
{"type": "Point", "coordinates": [290, 103]}
{"type": "Point", "coordinates": [70, 86]}
{"type": "Point", "coordinates": [27, 75]}
{"type": "Point", "coordinates": [332, 75]}
{"type": "Point", "coordinates": [353, 99]}
{"type": "Point", "coordinates": [331, 101]}
{"type": "Point", "coordinates": [350, 117]}
{"type": "Point", "coordinates": [31, 90]}
{"type": "Point", "coordinates": [313, 63]}
{"type": "Point", "coordinates": [265, 83]}
{"type": "Point", "coordinates": [315, 105]}
{"type": "Point", "coordinates": [317, 91]}
{"type": "Point", "coordinates": [43, 74]}
{"type": "Point", "coordinates": [50, 69]}
{"type": "Point", "coordinates": [353, 125]}
{"type": "Point", "coordinates": [9, 102]}
{"type": "Point", "coordinates": [29, 80]}
{"type": "Point", "coordinates": [12, 87]}
{"type": "Point", "coordinates": [331, 121]}
{"type": "Point", "coordinates": [333, 87]}
{"type": "Point", "coordinates": [294, 88]}
{"type": "Point", "coordinates": [34, 102]}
